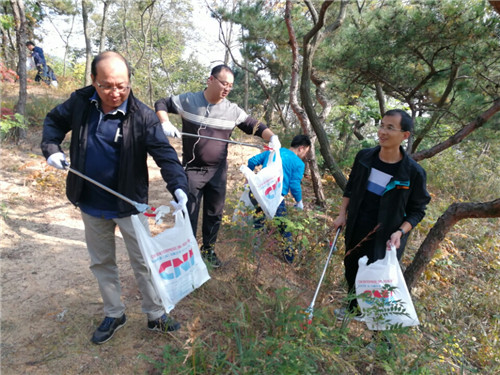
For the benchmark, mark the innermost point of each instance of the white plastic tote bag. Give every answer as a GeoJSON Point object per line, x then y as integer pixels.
{"type": "Point", "coordinates": [267, 184]}
{"type": "Point", "coordinates": [173, 258]}
{"type": "Point", "coordinates": [382, 293]}
{"type": "Point", "coordinates": [243, 213]}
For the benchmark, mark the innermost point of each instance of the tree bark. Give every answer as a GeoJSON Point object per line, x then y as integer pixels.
{"type": "Point", "coordinates": [461, 134]}
{"type": "Point", "coordinates": [454, 213]}
{"type": "Point", "coordinates": [379, 92]}
{"type": "Point", "coordinates": [310, 44]}
{"type": "Point", "coordinates": [102, 36]}
{"type": "Point", "coordinates": [299, 111]}
{"type": "Point", "coordinates": [88, 44]}
{"type": "Point", "coordinates": [496, 5]}
{"type": "Point", "coordinates": [20, 20]}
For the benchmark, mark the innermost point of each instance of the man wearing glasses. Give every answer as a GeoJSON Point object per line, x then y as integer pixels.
{"type": "Point", "coordinates": [112, 133]}
{"type": "Point", "coordinates": [386, 188]}
{"type": "Point", "coordinates": [209, 113]}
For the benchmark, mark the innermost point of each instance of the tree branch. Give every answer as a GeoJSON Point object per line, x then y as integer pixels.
{"type": "Point", "coordinates": [461, 134]}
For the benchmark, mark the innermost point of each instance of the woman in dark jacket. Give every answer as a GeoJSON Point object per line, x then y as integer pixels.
{"type": "Point", "coordinates": [384, 199]}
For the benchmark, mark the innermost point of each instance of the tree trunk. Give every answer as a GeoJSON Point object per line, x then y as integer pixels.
{"type": "Point", "coordinates": [379, 92]}
{"type": "Point", "coordinates": [246, 96]}
{"type": "Point", "coordinates": [461, 134]}
{"type": "Point", "coordinates": [454, 213]}
{"type": "Point", "coordinates": [496, 5]}
{"type": "Point", "coordinates": [20, 20]}
{"type": "Point", "coordinates": [299, 111]}
{"type": "Point", "coordinates": [311, 41]}
{"type": "Point", "coordinates": [102, 36]}
{"type": "Point", "coordinates": [66, 43]}
{"type": "Point", "coordinates": [88, 45]}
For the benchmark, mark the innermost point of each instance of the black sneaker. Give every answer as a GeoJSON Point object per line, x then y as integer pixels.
{"type": "Point", "coordinates": [163, 324]}
{"type": "Point", "coordinates": [209, 255]}
{"type": "Point", "coordinates": [107, 329]}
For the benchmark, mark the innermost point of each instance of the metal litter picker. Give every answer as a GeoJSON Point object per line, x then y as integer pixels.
{"type": "Point", "coordinates": [224, 140]}
{"type": "Point", "coordinates": [333, 247]}
{"type": "Point", "coordinates": [141, 207]}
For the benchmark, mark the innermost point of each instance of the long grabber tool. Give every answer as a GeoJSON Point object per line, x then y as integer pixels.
{"type": "Point", "coordinates": [333, 247]}
{"type": "Point", "coordinates": [224, 140]}
{"type": "Point", "coordinates": [141, 207]}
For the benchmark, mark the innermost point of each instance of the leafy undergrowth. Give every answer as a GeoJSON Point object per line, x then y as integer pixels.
{"type": "Point", "coordinates": [258, 323]}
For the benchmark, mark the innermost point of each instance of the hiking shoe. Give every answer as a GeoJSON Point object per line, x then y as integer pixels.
{"type": "Point", "coordinates": [210, 256]}
{"type": "Point", "coordinates": [107, 329]}
{"type": "Point", "coordinates": [163, 324]}
{"type": "Point", "coordinates": [342, 313]}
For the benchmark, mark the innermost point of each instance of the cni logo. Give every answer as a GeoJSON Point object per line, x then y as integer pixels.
{"type": "Point", "coordinates": [270, 192]}
{"type": "Point", "coordinates": [172, 268]}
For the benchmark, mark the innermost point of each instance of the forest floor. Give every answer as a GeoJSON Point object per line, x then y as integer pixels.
{"type": "Point", "coordinates": [50, 303]}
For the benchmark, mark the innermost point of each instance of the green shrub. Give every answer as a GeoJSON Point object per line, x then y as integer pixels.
{"type": "Point", "coordinates": [11, 125]}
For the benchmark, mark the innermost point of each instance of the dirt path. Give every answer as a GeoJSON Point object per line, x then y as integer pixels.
{"type": "Point", "coordinates": [50, 300]}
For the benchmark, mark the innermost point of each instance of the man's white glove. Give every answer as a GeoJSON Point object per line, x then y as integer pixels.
{"type": "Point", "coordinates": [170, 130]}
{"type": "Point", "coordinates": [274, 143]}
{"type": "Point", "coordinates": [299, 205]}
{"type": "Point", "coordinates": [57, 160]}
{"type": "Point", "coordinates": [182, 200]}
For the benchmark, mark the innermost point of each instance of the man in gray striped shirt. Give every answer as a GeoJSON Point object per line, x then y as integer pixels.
{"type": "Point", "coordinates": [209, 113]}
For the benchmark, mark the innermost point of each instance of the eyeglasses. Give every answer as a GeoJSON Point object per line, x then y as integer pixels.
{"type": "Point", "coordinates": [226, 85]}
{"type": "Point", "coordinates": [108, 89]}
{"type": "Point", "coordinates": [390, 128]}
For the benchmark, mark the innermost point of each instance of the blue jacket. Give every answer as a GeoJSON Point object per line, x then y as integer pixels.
{"type": "Point", "coordinates": [38, 56]}
{"type": "Point", "coordinates": [293, 170]}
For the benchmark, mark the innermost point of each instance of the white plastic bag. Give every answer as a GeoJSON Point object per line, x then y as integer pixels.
{"type": "Point", "coordinates": [243, 213]}
{"type": "Point", "coordinates": [267, 184]}
{"type": "Point", "coordinates": [173, 258]}
{"type": "Point", "coordinates": [382, 293]}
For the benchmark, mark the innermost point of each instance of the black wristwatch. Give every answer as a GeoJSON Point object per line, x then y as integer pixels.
{"type": "Point", "coordinates": [402, 231]}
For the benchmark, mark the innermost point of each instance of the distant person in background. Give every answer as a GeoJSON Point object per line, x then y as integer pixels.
{"type": "Point", "coordinates": [293, 171]}
{"type": "Point", "coordinates": [40, 63]}
{"type": "Point", "coordinates": [209, 113]}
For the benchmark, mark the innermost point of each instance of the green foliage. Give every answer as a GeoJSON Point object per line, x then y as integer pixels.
{"type": "Point", "coordinates": [9, 125]}
{"type": "Point", "coordinates": [382, 308]}
{"type": "Point", "coordinates": [411, 49]}
{"type": "Point", "coordinates": [466, 173]}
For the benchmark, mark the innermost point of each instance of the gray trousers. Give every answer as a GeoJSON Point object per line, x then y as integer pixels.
{"type": "Point", "coordinates": [100, 238]}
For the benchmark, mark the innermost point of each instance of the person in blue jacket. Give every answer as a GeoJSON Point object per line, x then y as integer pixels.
{"type": "Point", "coordinates": [385, 198]}
{"type": "Point", "coordinates": [293, 171]}
{"type": "Point", "coordinates": [40, 63]}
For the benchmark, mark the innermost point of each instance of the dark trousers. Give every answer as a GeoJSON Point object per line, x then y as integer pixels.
{"type": "Point", "coordinates": [209, 184]}
{"type": "Point", "coordinates": [286, 235]}
{"type": "Point", "coordinates": [351, 261]}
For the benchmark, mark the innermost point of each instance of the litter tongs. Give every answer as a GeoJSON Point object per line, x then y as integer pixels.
{"type": "Point", "coordinates": [141, 207]}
